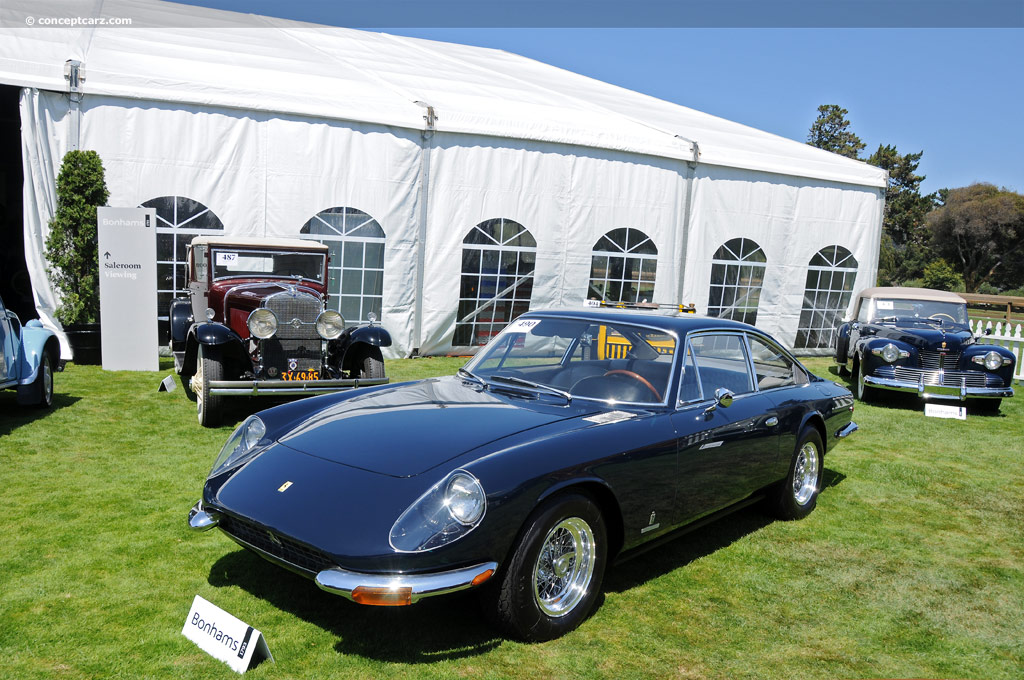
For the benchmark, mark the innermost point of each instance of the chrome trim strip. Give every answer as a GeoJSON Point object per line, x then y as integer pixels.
{"type": "Point", "coordinates": [939, 391]}
{"type": "Point", "coordinates": [270, 387]}
{"type": "Point", "coordinates": [342, 582]}
{"type": "Point", "coordinates": [200, 520]}
{"type": "Point", "coordinates": [847, 430]}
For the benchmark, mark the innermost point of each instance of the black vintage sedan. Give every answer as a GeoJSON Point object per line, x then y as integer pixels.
{"type": "Point", "coordinates": [572, 439]}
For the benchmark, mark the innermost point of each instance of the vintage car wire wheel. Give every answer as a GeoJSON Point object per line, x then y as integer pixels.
{"type": "Point", "coordinates": [553, 575]}
{"type": "Point", "coordinates": [797, 495]}
{"type": "Point", "coordinates": [805, 473]}
{"type": "Point", "coordinates": [564, 567]}
{"type": "Point", "coordinates": [207, 405]}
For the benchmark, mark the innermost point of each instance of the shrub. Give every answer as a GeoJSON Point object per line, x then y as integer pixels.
{"type": "Point", "coordinates": [71, 246]}
{"type": "Point", "coordinates": [938, 274]}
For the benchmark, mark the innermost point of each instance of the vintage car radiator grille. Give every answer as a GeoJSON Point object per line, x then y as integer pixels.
{"type": "Point", "coordinates": [295, 341]}
{"type": "Point", "coordinates": [283, 548]}
{"type": "Point", "coordinates": [933, 359]}
{"type": "Point", "coordinates": [945, 378]}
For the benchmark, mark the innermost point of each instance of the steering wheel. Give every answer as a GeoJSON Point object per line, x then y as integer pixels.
{"type": "Point", "coordinates": [635, 376]}
{"type": "Point", "coordinates": [948, 316]}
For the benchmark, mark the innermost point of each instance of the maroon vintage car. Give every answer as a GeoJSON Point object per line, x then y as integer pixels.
{"type": "Point", "coordinates": [256, 322]}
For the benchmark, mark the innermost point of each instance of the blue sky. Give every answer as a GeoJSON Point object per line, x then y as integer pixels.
{"type": "Point", "coordinates": [954, 93]}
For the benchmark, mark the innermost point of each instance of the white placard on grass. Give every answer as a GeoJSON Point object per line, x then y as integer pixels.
{"type": "Point", "coordinates": [224, 636]}
{"type": "Point", "coordinates": [945, 411]}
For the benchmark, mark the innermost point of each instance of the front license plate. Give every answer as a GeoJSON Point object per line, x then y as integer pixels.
{"type": "Point", "coordinates": [300, 375]}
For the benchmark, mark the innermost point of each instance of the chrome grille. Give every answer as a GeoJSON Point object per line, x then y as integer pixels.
{"type": "Point", "coordinates": [944, 378]}
{"type": "Point", "coordinates": [296, 338]}
{"type": "Point", "coordinates": [283, 548]}
{"type": "Point", "coordinates": [934, 360]}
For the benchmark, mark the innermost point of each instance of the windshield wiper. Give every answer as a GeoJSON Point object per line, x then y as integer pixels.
{"type": "Point", "coordinates": [473, 377]}
{"type": "Point", "coordinates": [537, 386]}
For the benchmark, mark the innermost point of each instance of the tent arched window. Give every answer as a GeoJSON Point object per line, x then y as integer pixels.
{"type": "Point", "coordinates": [830, 276]}
{"type": "Point", "coordinates": [623, 267]}
{"type": "Point", "coordinates": [355, 273]}
{"type": "Point", "coordinates": [178, 220]}
{"type": "Point", "coordinates": [498, 259]}
{"type": "Point", "coordinates": [737, 273]}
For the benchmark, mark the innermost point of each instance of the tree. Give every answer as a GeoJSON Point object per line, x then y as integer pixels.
{"type": "Point", "coordinates": [829, 132]}
{"type": "Point", "coordinates": [906, 238]}
{"type": "Point", "coordinates": [71, 246]}
{"type": "Point", "coordinates": [981, 228]}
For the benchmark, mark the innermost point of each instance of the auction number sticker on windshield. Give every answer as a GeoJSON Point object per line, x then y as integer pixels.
{"type": "Point", "coordinates": [225, 259]}
{"type": "Point", "coordinates": [610, 417]}
{"type": "Point", "coordinates": [883, 304]}
{"type": "Point", "coordinates": [524, 325]}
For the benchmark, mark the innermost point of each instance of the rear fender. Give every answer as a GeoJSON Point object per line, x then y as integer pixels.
{"type": "Point", "coordinates": [35, 342]}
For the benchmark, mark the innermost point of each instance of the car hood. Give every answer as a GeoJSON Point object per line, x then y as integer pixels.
{"type": "Point", "coordinates": [411, 428]}
{"type": "Point", "coordinates": [920, 337]}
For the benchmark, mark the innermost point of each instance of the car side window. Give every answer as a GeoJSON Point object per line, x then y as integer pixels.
{"type": "Point", "coordinates": [772, 367]}
{"type": "Point", "coordinates": [689, 385]}
{"type": "Point", "coordinates": [863, 307]}
{"type": "Point", "coordinates": [198, 257]}
{"type": "Point", "coordinates": [721, 362]}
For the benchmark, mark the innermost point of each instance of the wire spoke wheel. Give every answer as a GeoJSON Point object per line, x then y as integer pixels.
{"type": "Point", "coordinates": [564, 567]}
{"type": "Point", "coordinates": [805, 473]}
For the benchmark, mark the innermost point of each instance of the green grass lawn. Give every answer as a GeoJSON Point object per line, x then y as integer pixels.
{"type": "Point", "coordinates": [912, 565]}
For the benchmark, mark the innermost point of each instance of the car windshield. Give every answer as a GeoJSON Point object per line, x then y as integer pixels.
{"type": "Point", "coordinates": [946, 312]}
{"type": "Point", "coordinates": [239, 262]}
{"type": "Point", "coordinates": [605, 360]}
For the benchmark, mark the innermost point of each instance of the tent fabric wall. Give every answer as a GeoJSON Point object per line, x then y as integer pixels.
{"type": "Point", "coordinates": [271, 122]}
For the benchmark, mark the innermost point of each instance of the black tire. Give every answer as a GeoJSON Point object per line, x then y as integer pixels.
{"type": "Point", "coordinates": [860, 390]}
{"type": "Point", "coordinates": [553, 578]}
{"type": "Point", "coordinates": [208, 406]}
{"type": "Point", "coordinates": [40, 392]}
{"type": "Point", "coordinates": [797, 495]}
{"type": "Point", "coordinates": [369, 363]}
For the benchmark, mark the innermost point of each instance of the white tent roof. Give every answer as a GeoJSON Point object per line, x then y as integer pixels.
{"type": "Point", "coordinates": [198, 56]}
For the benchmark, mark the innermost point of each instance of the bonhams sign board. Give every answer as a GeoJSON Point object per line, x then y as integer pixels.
{"type": "Point", "coordinates": [127, 249]}
{"type": "Point", "coordinates": [224, 636]}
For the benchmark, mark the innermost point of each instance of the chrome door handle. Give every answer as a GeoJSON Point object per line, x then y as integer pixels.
{"type": "Point", "coordinates": [772, 422]}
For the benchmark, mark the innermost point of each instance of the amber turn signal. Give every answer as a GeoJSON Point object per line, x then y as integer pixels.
{"type": "Point", "coordinates": [483, 576]}
{"type": "Point", "coordinates": [382, 597]}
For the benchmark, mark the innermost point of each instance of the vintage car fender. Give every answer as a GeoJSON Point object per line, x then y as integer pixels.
{"type": "Point", "coordinates": [370, 335]}
{"type": "Point", "coordinates": [870, 361]}
{"type": "Point", "coordinates": [35, 340]}
{"type": "Point", "coordinates": [843, 344]}
{"type": "Point", "coordinates": [180, 315]}
{"type": "Point", "coordinates": [981, 349]}
{"type": "Point", "coordinates": [212, 334]}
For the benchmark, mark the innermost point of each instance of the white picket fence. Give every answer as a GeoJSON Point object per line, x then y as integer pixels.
{"type": "Point", "coordinates": [1005, 334]}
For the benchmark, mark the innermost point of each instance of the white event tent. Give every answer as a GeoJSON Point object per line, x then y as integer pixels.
{"type": "Point", "coordinates": [456, 186]}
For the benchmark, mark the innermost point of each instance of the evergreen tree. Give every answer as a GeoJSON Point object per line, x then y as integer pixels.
{"type": "Point", "coordinates": [830, 132]}
{"type": "Point", "coordinates": [71, 246]}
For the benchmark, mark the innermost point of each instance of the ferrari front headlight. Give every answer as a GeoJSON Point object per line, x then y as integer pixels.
{"type": "Point", "coordinates": [448, 511]}
{"type": "Point", "coordinates": [240, 444]}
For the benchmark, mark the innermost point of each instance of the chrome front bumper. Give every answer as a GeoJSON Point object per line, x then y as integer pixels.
{"type": "Point", "coordinates": [289, 387]}
{"type": "Point", "coordinates": [932, 391]}
{"type": "Point", "coordinates": [393, 589]}
{"type": "Point", "coordinates": [413, 587]}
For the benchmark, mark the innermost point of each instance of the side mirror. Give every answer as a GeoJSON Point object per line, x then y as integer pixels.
{"type": "Point", "coordinates": [723, 398]}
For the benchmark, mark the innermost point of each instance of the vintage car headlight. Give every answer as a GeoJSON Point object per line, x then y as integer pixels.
{"type": "Point", "coordinates": [890, 353]}
{"type": "Point", "coordinates": [262, 323]}
{"type": "Point", "coordinates": [991, 360]}
{"type": "Point", "coordinates": [330, 324]}
{"type": "Point", "coordinates": [241, 442]}
{"type": "Point", "coordinates": [448, 511]}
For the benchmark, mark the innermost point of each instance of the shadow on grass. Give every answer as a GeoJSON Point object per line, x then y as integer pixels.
{"type": "Point", "coordinates": [434, 629]}
{"type": "Point", "coordinates": [15, 416]}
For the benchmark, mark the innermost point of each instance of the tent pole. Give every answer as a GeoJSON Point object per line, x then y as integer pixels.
{"type": "Point", "coordinates": [427, 135]}
{"type": "Point", "coordinates": [74, 73]}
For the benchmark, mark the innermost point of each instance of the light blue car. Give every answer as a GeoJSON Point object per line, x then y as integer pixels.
{"type": "Point", "coordinates": [29, 355]}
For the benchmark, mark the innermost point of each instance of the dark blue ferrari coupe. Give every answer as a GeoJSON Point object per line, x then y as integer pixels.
{"type": "Point", "coordinates": [572, 439]}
